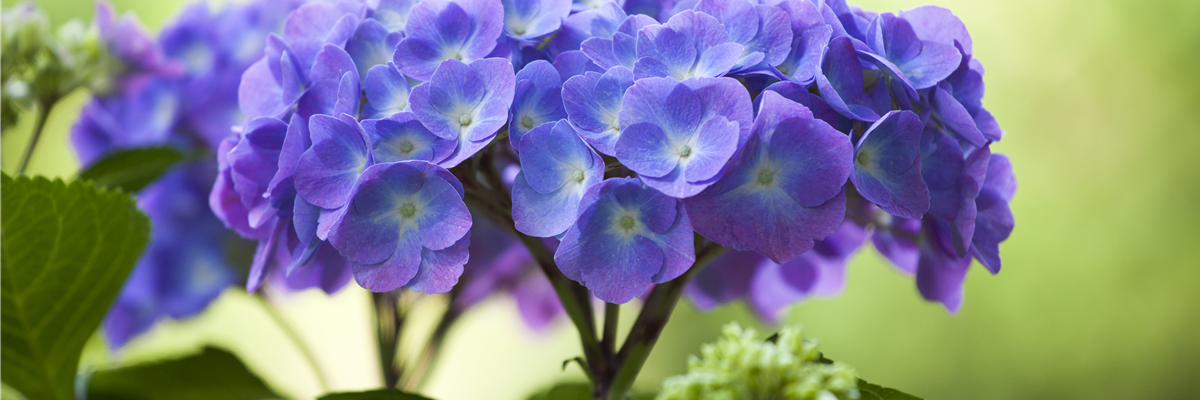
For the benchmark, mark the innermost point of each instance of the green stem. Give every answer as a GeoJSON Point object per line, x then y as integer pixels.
{"type": "Point", "coordinates": [294, 336]}
{"type": "Point", "coordinates": [575, 299]}
{"type": "Point", "coordinates": [608, 342]}
{"type": "Point", "coordinates": [419, 375]}
{"type": "Point", "coordinates": [43, 110]}
{"type": "Point", "coordinates": [649, 325]}
{"type": "Point", "coordinates": [388, 322]}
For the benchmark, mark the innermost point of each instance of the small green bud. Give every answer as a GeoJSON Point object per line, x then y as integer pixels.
{"type": "Point", "coordinates": [742, 366]}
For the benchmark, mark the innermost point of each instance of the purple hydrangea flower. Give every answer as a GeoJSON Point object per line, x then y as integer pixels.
{"type": "Point", "coordinates": [940, 273]}
{"type": "Point", "coordinates": [593, 104]}
{"type": "Point", "coordinates": [601, 21]}
{"type": "Point", "coordinates": [626, 238]}
{"type": "Point", "coordinates": [769, 287]}
{"type": "Point", "coordinates": [621, 48]}
{"type": "Point", "coordinates": [994, 221]}
{"type": "Point", "coordinates": [690, 44]}
{"type": "Point", "coordinates": [465, 103]}
{"type": "Point", "coordinates": [145, 113]}
{"type": "Point", "coordinates": [887, 165]}
{"type": "Point", "coordinates": [896, 49]}
{"type": "Point", "coordinates": [372, 45]}
{"type": "Point", "coordinates": [762, 30]}
{"type": "Point", "coordinates": [328, 170]}
{"type": "Point", "coordinates": [783, 190]}
{"type": "Point", "coordinates": [501, 264]}
{"type": "Point", "coordinates": [678, 135]}
{"type": "Point", "coordinates": [841, 84]}
{"type": "Point", "coordinates": [405, 227]}
{"type": "Point", "coordinates": [393, 14]}
{"type": "Point", "coordinates": [558, 167]}
{"type": "Point", "coordinates": [537, 99]}
{"type": "Point", "coordinates": [531, 19]}
{"type": "Point", "coordinates": [386, 91]}
{"type": "Point", "coordinates": [954, 180]}
{"type": "Point", "coordinates": [809, 40]}
{"type": "Point", "coordinates": [403, 138]}
{"type": "Point", "coordinates": [439, 30]}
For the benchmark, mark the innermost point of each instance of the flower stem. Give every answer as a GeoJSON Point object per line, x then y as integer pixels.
{"type": "Point", "coordinates": [43, 114]}
{"type": "Point", "coordinates": [413, 380]}
{"type": "Point", "coordinates": [649, 325]}
{"type": "Point", "coordinates": [294, 336]}
{"type": "Point", "coordinates": [388, 321]}
{"type": "Point", "coordinates": [608, 342]}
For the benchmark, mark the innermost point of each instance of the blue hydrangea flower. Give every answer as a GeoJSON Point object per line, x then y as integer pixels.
{"type": "Point", "coordinates": [537, 99]}
{"type": "Point", "coordinates": [783, 190]}
{"type": "Point", "coordinates": [896, 49]}
{"type": "Point", "coordinates": [465, 103]}
{"type": "Point", "coordinates": [405, 227]}
{"type": "Point", "coordinates": [841, 84]}
{"type": "Point", "coordinates": [403, 138]}
{"type": "Point", "coordinates": [626, 238]}
{"type": "Point", "coordinates": [810, 39]}
{"type": "Point", "coordinates": [940, 273]}
{"type": "Point", "coordinates": [678, 135]}
{"type": "Point", "coordinates": [770, 288]}
{"type": "Point", "coordinates": [328, 170]}
{"type": "Point", "coordinates": [578, 6]}
{"type": "Point", "coordinates": [762, 30]}
{"type": "Point", "coordinates": [621, 48]}
{"type": "Point", "coordinates": [372, 44]}
{"type": "Point", "coordinates": [602, 21]}
{"type": "Point", "coordinates": [439, 30]}
{"type": "Point", "coordinates": [690, 44]}
{"type": "Point", "coordinates": [530, 19]}
{"type": "Point", "coordinates": [593, 104]}
{"type": "Point", "coordinates": [386, 91]}
{"type": "Point", "coordinates": [557, 168]}
{"type": "Point", "coordinates": [887, 165]}
{"type": "Point", "coordinates": [994, 221]}
{"type": "Point", "coordinates": [334, 86]}
{"type": "Point", "coordinates": [393, 14]}
{"type": "Point", "coordinates": [954, 180]}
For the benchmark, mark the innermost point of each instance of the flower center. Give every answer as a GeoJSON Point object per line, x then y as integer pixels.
{"type": "Point", "coordinates": [627, 222]}
{"type": "Point", "coordinates": [464, 120]}
{"type": "Point", "coordinates": [408, 210]}
{"type": "Point", "coordinates": [863, 158]}
{"type": "Point", "coordinates": [527, 122]}
{"type": "Point", "coordinates": [765, 177]}
{"type": "Point", "coordinates": [685, 151]}
{"type": "Point", "coordinates": [578, 176]}
{"type": "Point", "coordinates": [406, 147]}
{"type": "Point", "coordinates": [520, 30]}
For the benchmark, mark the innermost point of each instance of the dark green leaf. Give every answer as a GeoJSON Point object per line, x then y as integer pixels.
{"type": "Point", "coordinates": [66, 252]}
{"type": "Point", "coordinates": [132, 169]}
{"type": "Point", "coordinates": [577, 391]}
{"type": "Point", "coordinates": [871, 391]}
{"type": "Point", "coordinates": [381, 394]}
{"type": "Point", "coordinates": [212, 374]}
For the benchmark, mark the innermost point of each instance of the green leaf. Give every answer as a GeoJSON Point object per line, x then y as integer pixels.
{"type": "Point", "coordinates": [212, 374]}
{"type": "Point", "coordinates": [380, 394]}
{"type": "Point", "coordinates": [132, 169]}
{"type": "Point", "coordinates": [871, 391]}
{"type": "Point", "coordinates": [66, 252]}
{"type": "Point", "coordinates": [577, 391]}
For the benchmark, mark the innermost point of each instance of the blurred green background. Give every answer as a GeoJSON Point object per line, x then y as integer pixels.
{"type": "Point", "coordinates": [1099, 298]}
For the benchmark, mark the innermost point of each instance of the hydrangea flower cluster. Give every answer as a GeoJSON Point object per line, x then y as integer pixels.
{"type": "Point", "coordinates": [741, 365]}
{"type": "Point", "coordinates": [790, 132]}
{"type": "Point", "coordinates": [180, 91]}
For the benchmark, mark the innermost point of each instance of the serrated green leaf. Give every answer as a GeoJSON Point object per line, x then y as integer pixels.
{"type": "Point", "coordinates": [380, 394]}
{"type": "Point", "coordinates": [133, 169]}
{"type": "Point", "coordinates": [212, 374]}
{"type": "Point", "coordinates": [871, 391]}
{"type": "Point", "coordinates": [66, 252]}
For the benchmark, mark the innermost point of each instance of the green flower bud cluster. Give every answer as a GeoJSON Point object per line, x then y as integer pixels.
{"type": "Point", "coordinates": [740, 366]}
{"type": "Point", "coordinates": [39, 68]}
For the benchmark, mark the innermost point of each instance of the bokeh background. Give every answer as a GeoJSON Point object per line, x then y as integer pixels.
{"type": "Point", "coordinates": [1099, 298]}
